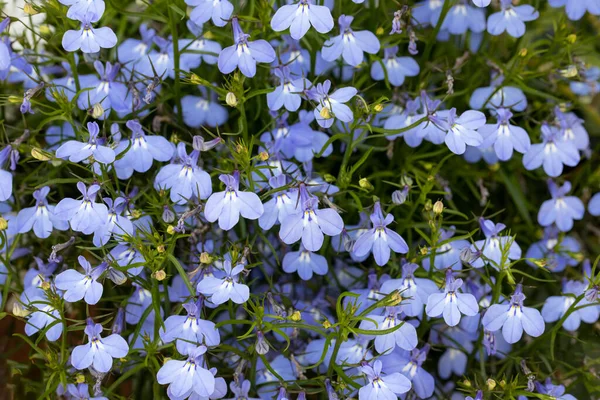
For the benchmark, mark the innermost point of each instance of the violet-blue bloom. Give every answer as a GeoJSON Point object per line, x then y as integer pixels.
{"type": "Point", "coordinates": [462, 18]}
{"type": "Point", "coordinates": [448, 254]}
{"type": "Point", "coordinates": [462, 131]}
{"type": "Point", "coordinates": [105, 90]}
{"type": "Point", "coordinates": [572, 129]}
{"type": "Point", "coordinates": [79, 286]}
{"type": "Point", "coordinates": [305, 263]}
{"type": "Point", "coordinates": [558, 251]}
{"type": "Point", "coordinates": [244, 54]}
{"type": "Point", "coordinates": [498, 95]}
{"type": "Point", "coordinates": [403, 120]}
{"type": "Point", "coordinates": [561, 209]}
{"type": "Point", "coordinates": [594, 205]}
{"type": "Point", "coordinates": [380, 239]}
{"type": "Point", "coordinates": [482, 3]}
{"type": "Point", "coordinates": [79, 8]}
{"type": "Point", "coordinates": [227, 288]}
{"type": "Point", "coordinates": [81, 392]}
{"type": "Point", "coordinates": [414, 291]}
{"type": "Point", "coordinates": [228, 205]}
{"type": "Point", "coordinates": [382, 387]}
{"type": "Point", "coordinates": [89, 39]}
{"type": "Point", "coordinates": [44, 316]}
{"type": "Point", "coordinates": [309, 223]}
{"type": "Point", "coordinates": [280, 206]}
{"type": "Point", "coordinates": [190, 329]}
{"type": "Point", "coordinates": [84, 215]}
{"type": "Point", "coordinates": [397, 68]}
{"type": "Point", "coordinates": [410, 364]}
{"type": "Point", "coordinates": [556, 307]}
{"type": "Point", "coordinates": [200, 49]}
{"type": "Point", "coordinates": [505, 137]}
{"type": "Point", "coordinates": [217, 10]}
{"type": "Point", "coordinates": [331, 106]}
{"type": "Point", "coordinates": [511, 19]}
{"type": "Point", "coordinates": [78, 151]}
{"type": "Point", "coordinates": [287, 93]}
{"type": "Point", "coordinates": [553, 391]}
{"type": "Point", "coordinates": [187, 377]}
{"type": "Point", "coordinates": [115, 225]}
{"type": "Point", "coordinates": [40, 218]}
{"type": "Point", "coordinates": [99, 351]}
{"type": "Point", "coordinates": [58, 134]}
{"type": "Point", "coordinates": [132, 50]}
{"type": "Point", "coordinates": [451, 303]}
{"type": "Point", "coordinates": [513, 318]}
{"type": "Point", "coordinates": [575, 9]}
{"type": "Point", "coordinates": [203, 110]}
{"type": "Point", "coordinates": [300, 16]}
{"type": "Point", "coordinates": [350, 44]}
{"type": "Point", "coordinates": [404, 337]}
{"type": "Point", "coordinates": [552, 153]}
{"type": "Point", "coordinates": [492, 248]}
{"type": "Point", "coordinates": [128, 257]}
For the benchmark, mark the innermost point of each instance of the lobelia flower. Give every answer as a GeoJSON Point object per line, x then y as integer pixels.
{"type": "Point", "coordinates": [482, 3]}
{"type": "Point", "coordinates": [505, 137]}
{"type": "Point", "coordinates": [202, 48]}
{"type": "Point", "coordinates": [141, 149]}
{"type": "Point", "coordinates": [404, 337]}
{"type": "Point", "coordinates": [40, 218]}
{"type": "Point", "coordinates": [84, 215]}
{"type": "Point", "coordinates": [81, 392]}
{"type": "Point", "coordinates": [576, 8]}
{"type": "Point", "coordinates": [280, 206]}
{"type": "Point", "coordinates": [589, 84]}
{"type": "Point", "coordinates": [187, 377]}
{"type": "Point", "coordinates": [593, 205]}
{"type": "Point", "coordinates": [300, 16]}
{"type": "Point", "coordinates": [5, 50]}
{"type": "Point", "coordinates": [451, 303]}
{"type": "Point", "coordinates": [99, 351]}
{"type": "Point", "coordinates": [79, 286]}
{"type": "Point", "coordinates": [410, 365]}
{"type": "Point", "coordinates": [479, 394]}
{"type": "Point", "coordinates": [79, 8]}
{"type": "Point", "coordinates": [448, 254]}
{"type": "Point", "coordinates": [131, 51]}
{"type": "Point", "coordinates": [462, 17]}
{"type": "Point", "coordinates": [382, 387]}
{"type": "Point", "coordinates": [553, 391]}
{"type": "Point", "coordinates": [57, 134]}
{"type": "Point", "coordinates": [227, 288]}
{"type": "Point", "coordinates": [557, 250]}
{"type": "Point", "coordinates": [44, 315]}
{"type": "Point", "coordinates": [350, 44]}
{"type": "Point", "coordinates": [493, 247]}
{"type": "Point", "coordinates": [427, 12]}
{"type": "Point", "coordinates": [115, 224]}
{"type": "Point", "coordinates": [184, 178]}
{"type": "Point", "coordinates": [228, 205]}
{"type": "Point", "coordinates": [203, 110]}
{"type": "Point", "coordinates": [513, 318]}
{"type": "Point", "coordinates": [414, 291]}
{"type": "Point", "coordinates": [498, 96]}
{"type": "Point", "coordinates": [584, 310]}
{"type": "Point", "coordinates": [188, 330]}
{"type": "Point", "coordinates": [462, 130]}
{"type": "Point", "coordinates": [551, 153]}
{"type": "Point", "coordinates": [562, 209]}
{"type": "Point", "coordinates": [380, 239]}
{"type": "Point", "coordinates": [511, 19]}
{"type": "Point", "coordinates": [305, 263]}
{"type": "Point", "coordinates": [309, 223]}
{"type": "Point", "coordinates": [332, 106]}
{"type": "Point", "coordinates": [433, 128]}
{"type": "Point", "coordinates": [78, 151]}
{"type": "Point", "coordinates": [88, 39]}
{"type": "Point", "coordinates": [244, 54]}
{"type": "Point", "coordinates": [217, 10]}
{"type": "Point", "coordinates": [241, 392]}
{"type": "Point", "coordinates": [397, 68]}
{"type": "Point", "coordinates": [288, 92]}
{"type": "Point", "coordinates": [572, 129]}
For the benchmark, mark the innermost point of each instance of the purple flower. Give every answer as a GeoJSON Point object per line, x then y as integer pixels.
{"type": "Point", "coordinates": [404, 337]}
{"type": "Point", "coordinates": [40, 218]}
{"type": "Point", "coordinates": [593, 205]}
{"type": "Point", "coordinates": [462, 17]}
{"type": "Point", "coordinates": [553, 391]}
{"type": "Point", "coordinates": [380, 239]}
{"type": "Point", "coordinates": [217, 10]}
{"type": "Point", "coordinates": [79, 8]}
{"type": "Point", "coordinates": [556, 307]}
{"type": "Point", "coordinates": [199, 49]}
{"type": "Point", "coordinates": [228, 205]}
{"type": "Point", "coordinates": [5, 176]}
{"type": "Point", "coordinates": [187, 377]}
{"type": "Point", "coordinates": [562, 209]}
{"type": "Point", "coordinates": [397, 68]}
{"type": "Point", "coordinates": [462, 130]}
{"type": "Point", "coordinates": [479, 395]}
{"type": "Point", "coordinates": [482, 3]}
{"type": "Point", "coordinates": [551, 153]}
{"type": "Point", "coordinates": [129, 258]}
{"type": "Point", "coordinates": [115, 224]}
{"type": "Point", "coordinates": [98, 352]}
{"type": "Point", "coordinates": [382, 387]}
{"type": "Point", "coordinates": [305, 263]}
{"type": "Point", "coordinates": [241, 392]}
{"type": "Point", "coordinates": [493, 247]}
{"type": "Point", "coordinates": [81, 392]}
{"type": "Point", "coordinates": [410, 365]}
{"type": "Point", "coordinates": [79, 286]}
{"type": "Point", "coordinates": [572, 129]}
{"type": "Point", "coordinates": [189, 330]}
{"type": "Point", "coordinates": [88, 39]}
{"type": "Point", "coordinates": [203, 110]}
{"type": "Point", "coordinates": [511, 19]}
{"type": "Point", "coordinates": [576, 8]}
{"type": "Point", "coordinates": [513, 318]}
{"type": "Point", "coordinates": [497, 96]}
{"type": "Point", "coordinates": [78, 151]}
{"type": "Point", "coordinates": [280, 206]}
{"type": "Point", "coordinates": [558, 251]}
{"type": "Point", "coordinates": [414, 291]}
{"type": "Point", "coordinates": [244, 54]}
{"type": "Point", "coordinates": [131, 51]}
{"type": "Point", "coordinates": [331, 106]}
{"type": "Point", "coordinates": [84, 215]}
{"type": "Point", "coordinates": [43, 316]}
{"type": "Point", "coordinates": [185, 178]}
{"type": "Point", "coordinates": [309, 223]}
{"type": "Point", "coordinates": [505, 137]}
{"type": "Point", "coordinates": [451, 303]}
{"type": "Point", "coordinates": [288, 92]}
{"type": "Point", "coordinates": [350, 44]}
{"type": "Point", "coordinates": [227, 288]}
{"type": "Point", "coordinates": [300, 16]}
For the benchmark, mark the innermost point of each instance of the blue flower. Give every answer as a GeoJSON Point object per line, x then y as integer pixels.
{"type": "Point", "coordinates": [288, 92]}
{"type": "Point", "coordinates": [462, 17]}
{"type": "Point", "coordinates": [129, 258]}
{"type": "Point", "coordinates": [228, 205]}
{"type": "Point", "coordinates": [380, 239]}
{"type": "Point", "coordinates": [305, 263]}
{"type": "Point", "coordinates": [294, 57]}
{"type": "Point", "coordinates": [513, 318]}
{"type": "Point", "coordinates": [115, 224]}
{"type": "Point", "coordinates": [299, 18]}
{"type": "Point", "coordinates": [414, 291]}
{"type": "Point", "coordinates": [482, 3]}
{"type": "Point", "coordinates": [505, 137]}
{"type": "Point", "coordinates": [552, 153]}
{"type": "Point", "coordinates": [244, 54]}
{"type": "Point", "coordinates": [382, 387]}
{"type": "Point", "coordinates": [309, 223]}
{"type": "Point", "coordinates": [79, 286]}
{"type": "Point", "coordinates": [556, 307]}
{"type": "Point", "coordinates": [227, 288]}
{"type": "Point", "coordinates": [589, 84]}
{"type": "Point", "coordinates": [451, 303]}
{"type": "Point", "coordinates": [141, 149]}
{"type": "Point", "coordinates": [199, 49]}
{"type": "Point", "coordinates": [410, 365]}
{"type": "Point", "coordinates": [84, 215]}
{"type": "Point", "coordinates": [190, 330]}
{"type": "Point", "coordinates": [496, 96]}
{"type": "Point", "coordinates": [203, 10]}
{"type": "Point", "coordinates": [184, 177]}
{"type": "Point", "coordinates": [106, 91]}
{"type": "Point", "coordinates": [40, 218]}
{"type": "Point", "coordinates": [553, 391]}
{"type": "Point", "coordinates": [511, 19]}
{"type": "Point", "coordinates": [79, 8]}
{"type": "Point", "coordinates": [5, 50]}
{"type": "Point", "coordinates": [448, 254]}
{"type": "Point", "coordinates": [280, 206]}
{"type": "Point", "coordinates": [557, 252]}
{"type": "Point", "coordinates": [572, 129]}
{"type": "Point", "coordinates": [562, 209]}
{"type": "Point", "coordinates": [479, 395]}
{"type": "Point", "coordinates": [350, 44]}
{"type": "Point", "coordinates": [131, 51]}
{"type": "Point", "coordinates": [576, 8]}
{"type": "Point", "coordinates": [331, 106]}
{"type": "Point", "coordinates": [44, 315]}
{"type": "Point", "coordinates": [98, 352]}
{"type": "Point", "coordinates": [57, 134]}
{"type": "Point", "coordinates": [187, 377]}
{"type": "Point", "coordinates": [78, 151]}
{"type": "Point", "coordinates": [404, 337]}
{"type": "Point", "coordinates": [404, 119]}
{"type": "Point", "coordinates": [462, 130]}
{"type": "Point", "coordinates": [81, 392]}
{"type": "Point", "coordinates": [397, 68]}
{"type": "Point", "coordinates": [89, 39]}
{"type": "Point", "coordinates": [490, 251]}
{"type": "Point", "coordinates": [203, 110]}
{"type": "Point", "coordinates": [593, 205]}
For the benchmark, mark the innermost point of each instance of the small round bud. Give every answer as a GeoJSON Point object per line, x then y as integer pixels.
{"type": "Point", "coordinates": [160, 248]}
{"type": "Point", "coordinates": [45, 30]}
{"type": "Point", "coordinates": [205, 258]}
{"type": "Point", "coordinates": [39, 154]}
{"type": "Point", "coordinates": [45, 285]}
{"type": "Point", "coordinates": [379, 31]}
{"type": "Point", "coordinates": [296, 316]}
{"type": "Point", "coordinates": [29, 9]}
{"type": "Point", "coordinates": [231, 100]}
{"type": "Point", "coordinates": [428, 206]}
{"type": "Point", "coordinates": [160, 275]}
{"type": "Point", "coordinates": [365, 184]}
{"type": "Point", "coordinates": [572, 38]}
{"type": "Point", "coordinates": [263, 155]}
{"type": "Point", "coordinates": [523, 52]}
{"type": "Point", "coordinates": [569, 72]}
{"type": "Point", "coordinates": [467, 383]}
{"type": "Point", "coordinates": [171, 230]}
{"type": "Point", "coordinates": [378, 108]}
{"type": "Point", "coordinates": [136, 214]}
{"type": "Point", "coordinates": [195, 79]}
{"type": "Point", "coordinates": [491, 384]}
{"type": "Point", "coordinates": [396, 298]}
{"type": "Point", "coordinates": [3, 224]}
{"type": "Point", "coordinates": [80, 378]}
{"type": "Point", "coordinates": [326, 324]}
{"type": "Point", "coordinates": [329, 178]}
{"type": "Point", "coordinates": [438, 207]}
{"type": "Point", "coordinates": [97, 111]}
{"type": "Point", "coordinates": [15, 99]}
{"type": "Point", "coordinates": [423, 251]}
{"type": "Point", "coordinates": [325, 113]}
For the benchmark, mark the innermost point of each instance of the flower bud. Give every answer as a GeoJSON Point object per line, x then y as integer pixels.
{"type": "Point", "coordinates": [296, 316]}
{"type": "Point", "coordinates": [119, 321]}
{"type": "Point", "coordinates": [19, 311]}
{"type": "Point", "coordinates": [231, 100]}
{"type": "Point", "coordinates": [325, 113]}
{"type": "Point", "coordinates": [80, 378]}
{"type": "Point", "coordinates": [29, 9]}
{"type": "Point", "coordinates": [438, 207]}
{"type": "Point", "coordinates": [326, 324]}
{"type": "Point", "coordinates": [3, 224]}
{"type": "Point", "coordinates": [205, 258]}
{"type": "Point", "coordinates": [400, 196]}
{"type": "Point", "coordinates": [39, 154]}
{"type": "Point", "coordinates": [523, 52]}
{"type": "Point", "coordinates": [195, 79]}
{"type": "Point", "coordinates": [378, 108]}
{"type": "Point", "coordinates": [97, 111]}
{"type": "Point", "coordinates": [168, 216]}
{"type": "Point", "coordinates": [379, 31]}
{"type": "Point", "coordinates": [45, 285]}
{"type": "Point", "coordinates": [45, 30]}
{"type": "Point", "coordinates": [160, 248]}
{"type": "Point", "coordinates": [263, 155]}
{"type": "Point", "coordinates": [160, 275]}
{"type": "Point", "coordinates": [466, 255]}
{"type": "Point", "coordinates": [261, 346]}
{"type": "Point", "coordinates": [572, 38]}
{"type": "Point", "coordinates": [491, 384]}
{"type": "Point", "coordinates": [365, 184]}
